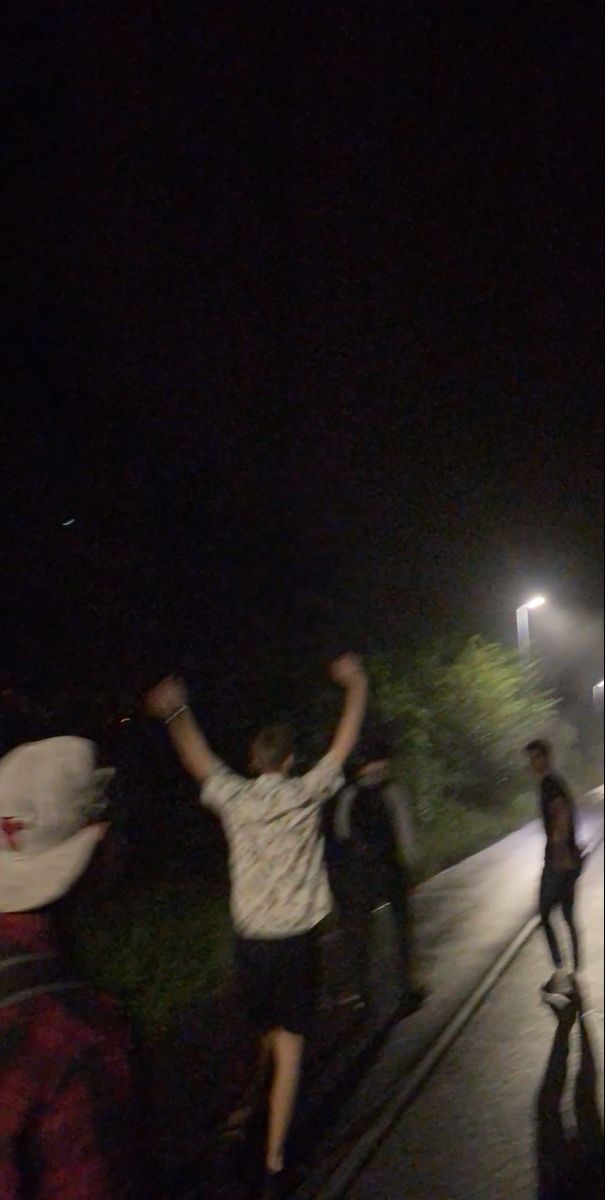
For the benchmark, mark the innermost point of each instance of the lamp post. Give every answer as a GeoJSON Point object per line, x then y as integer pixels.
{"type": "Point", "coordinates": [523, 625]}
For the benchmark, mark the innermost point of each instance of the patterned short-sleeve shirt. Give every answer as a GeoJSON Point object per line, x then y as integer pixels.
{"type": "Point", "coordinates": [279, 883]}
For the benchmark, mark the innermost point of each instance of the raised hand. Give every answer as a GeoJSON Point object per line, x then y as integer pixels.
{"type": "Point", "coordinates": [166, 698]}
{"type": "Point", "coordinates": [347, 669]}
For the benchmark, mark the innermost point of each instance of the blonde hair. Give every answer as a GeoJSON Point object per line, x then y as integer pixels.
{"type": "Point", "coordinates": [272, 747]}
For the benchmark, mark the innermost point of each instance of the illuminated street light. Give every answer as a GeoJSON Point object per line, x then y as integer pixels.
{"type": "Point", "coordinates": [523, 624]}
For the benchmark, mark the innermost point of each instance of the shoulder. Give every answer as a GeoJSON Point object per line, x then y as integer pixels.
{"type": "Point", "coordinates": [223, 785]}
{"type": "Point", "coordinates": [345, 796]}
{"type": "Point", "coordinates": [326, 778]}
{"type": "Point", "coordinates": [221, 771]}
{"type": "Point", "coordinates": [348, 793]}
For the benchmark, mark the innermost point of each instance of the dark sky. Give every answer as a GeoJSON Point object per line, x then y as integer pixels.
{"type": "Point", "coordinates": [304, 328]}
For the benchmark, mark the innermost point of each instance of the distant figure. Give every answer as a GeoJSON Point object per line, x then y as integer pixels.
{"type": "Point", "coordinates": [562, 868]}
{"type": "Point", "coordinates": [65, 1085]}
{"type": "Point", "coordinates": [279, 886]}
{"type": "Point", "coordinates": [373, 821]}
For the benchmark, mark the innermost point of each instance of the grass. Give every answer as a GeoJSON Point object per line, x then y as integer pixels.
{"type": "Point", "coordinates": [457, 831]}
{"type": "Point", "coordinates": [158, 949]}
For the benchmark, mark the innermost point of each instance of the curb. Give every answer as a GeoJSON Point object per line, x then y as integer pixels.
{"type": "Point", "coordinates": [352, 1166]}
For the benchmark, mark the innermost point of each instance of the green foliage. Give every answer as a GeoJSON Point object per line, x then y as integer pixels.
{"type": "Point", "coordinates": [403, 701]}
{"type": "Point", "coordinates": [488, 707]}
{"type": "Point", "coordinates": [156, 948]}
{"type": "Point", "coordinates": [464, 715]}
{"type": "Point", "coordinates": [455, 831]}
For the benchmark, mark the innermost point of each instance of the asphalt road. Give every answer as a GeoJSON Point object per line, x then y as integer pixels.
{"type": "Point", "coordinates": [514, 1110]}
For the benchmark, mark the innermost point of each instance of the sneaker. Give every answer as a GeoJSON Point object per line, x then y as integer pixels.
{"type": "Point", "coordinates": [562, 981]}
{"type": "Point", "coordinates": [556, 1000]}
{"type": "Point", "coordinates": [556, 992]}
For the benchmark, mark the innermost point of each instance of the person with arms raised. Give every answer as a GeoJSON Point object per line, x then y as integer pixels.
{"type": "Point", "coordinates": [279, 886]}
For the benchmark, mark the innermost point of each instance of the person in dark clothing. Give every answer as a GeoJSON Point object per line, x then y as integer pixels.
{"type": "Point", "coordinates": [562, 868]}
{"type": "Point", "coordinates": [372, 822]}
{"type": "Point", "coordinates": [66, 1096]}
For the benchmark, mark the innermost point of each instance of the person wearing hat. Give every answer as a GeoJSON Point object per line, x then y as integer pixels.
{"type": "Point", "coordinates": [65, 1083]}
{"type": "Point", "coordinates": [372, 822]}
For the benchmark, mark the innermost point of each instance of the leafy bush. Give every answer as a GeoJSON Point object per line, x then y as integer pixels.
{"type": "Point", "coordinates": [487, 707]}
{"type": "Point", "coordinates": [464, 715]}
{"type": "Point", "coordinates": [157, 948]}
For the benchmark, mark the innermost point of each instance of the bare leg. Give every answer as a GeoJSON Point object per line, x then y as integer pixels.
{"type": "Point", "coordinates": [288, 1049]}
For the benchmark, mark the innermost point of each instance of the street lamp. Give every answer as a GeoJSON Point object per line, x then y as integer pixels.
{"type": "Point", "coordinates": [598, 693]}
{"type": "Point", "coordinates": [523, 624]}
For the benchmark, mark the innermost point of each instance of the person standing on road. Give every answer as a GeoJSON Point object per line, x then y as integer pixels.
{"type": "Point", "coordinates": [66, 1103]}
{"type": "Point", "coordinates": [373, 822]}
{"type": "Point", "coordinates": [279, 885]}
{"type": "Point", "coordinates": [562, 867]}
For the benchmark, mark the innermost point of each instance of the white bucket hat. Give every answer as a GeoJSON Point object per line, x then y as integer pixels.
{"type": "Point", "coordinates": [49, 792]}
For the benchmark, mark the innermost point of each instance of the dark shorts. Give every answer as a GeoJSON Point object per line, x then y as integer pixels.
{"type": "Point", "coordinates": [558, 887]}
{"type": "Point", "coordinates": [280, 979]}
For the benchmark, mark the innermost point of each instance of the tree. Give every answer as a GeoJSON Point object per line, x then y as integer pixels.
{"type": "Point", "coordinates": [464, 714]}
{"type": "Point", "coordinates": [403, 702]}
{"type": "Point", "coordinates": [488, 706]}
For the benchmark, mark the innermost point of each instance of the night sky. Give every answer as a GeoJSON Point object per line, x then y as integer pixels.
{"type": "Point", "coordinates": [303, 329]}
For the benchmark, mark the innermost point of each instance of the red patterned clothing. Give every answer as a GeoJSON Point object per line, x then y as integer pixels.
{"type": "Point", "coordinates": [65, 1086]}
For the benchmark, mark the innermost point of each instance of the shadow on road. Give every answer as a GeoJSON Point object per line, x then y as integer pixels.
{"type": "Point", "coordinates": [236, 1166]}
{"type": "Point", "coordinates": [322, 1113]}
{"type": "Point", "coordinates": [570, 1163]}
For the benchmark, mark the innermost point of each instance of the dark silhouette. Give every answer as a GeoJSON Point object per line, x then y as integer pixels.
{"type": "Point", "coordinates": [373, 829]}
{"type": "Point", "coordinates": [570, 1164]}
{"type": "Point", "coordinates": [563, 858]}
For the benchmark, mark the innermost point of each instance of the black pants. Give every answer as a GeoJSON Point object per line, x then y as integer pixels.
{"type": "Point", "coordinates": [559, 888]}
{"type": "Point", "coordinates": [369, 888]}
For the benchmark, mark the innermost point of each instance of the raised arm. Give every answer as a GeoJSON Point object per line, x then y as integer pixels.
{"type": "Point", "coordinates": [169, 702]}
{"type": "Point", "coordinates": [349, 674]}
